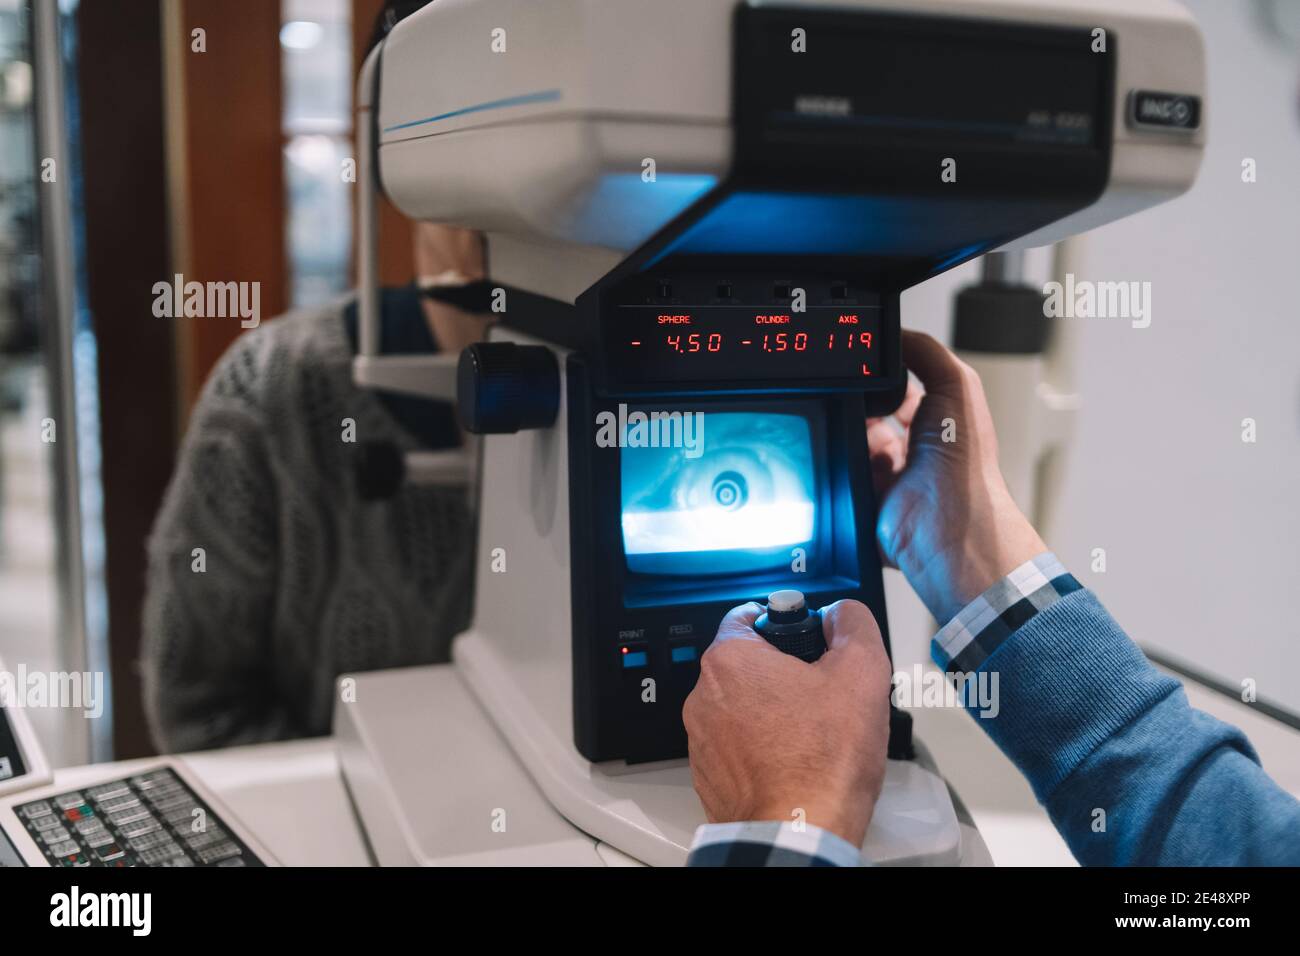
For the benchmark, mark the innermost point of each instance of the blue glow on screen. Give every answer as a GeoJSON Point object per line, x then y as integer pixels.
{"type": "Point", "coordinates": [740, 506]}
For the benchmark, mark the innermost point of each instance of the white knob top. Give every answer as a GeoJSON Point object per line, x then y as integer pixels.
{"type": "Point", "coordinates": [787, 600]}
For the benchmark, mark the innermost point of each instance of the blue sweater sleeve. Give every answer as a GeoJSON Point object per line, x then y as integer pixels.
{"type": "Point", "coordinates": [1128, 771]}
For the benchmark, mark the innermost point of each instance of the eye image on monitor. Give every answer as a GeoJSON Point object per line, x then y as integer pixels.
{"type": "Point", "coordinates": [740, 506]}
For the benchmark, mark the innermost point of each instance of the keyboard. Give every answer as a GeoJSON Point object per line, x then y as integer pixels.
{"type": "Point", "coordinates": [148, 819]}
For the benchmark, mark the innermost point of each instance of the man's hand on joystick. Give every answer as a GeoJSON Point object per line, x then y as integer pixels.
{"type": "Point", "coordinates": [775, 738]}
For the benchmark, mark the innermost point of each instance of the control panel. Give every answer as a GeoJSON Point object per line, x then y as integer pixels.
{"type": "Point", "coordinates": [149, 819]}
{"type": "Point", "coordinates": [154, 816]}
{"type": "Point", "coordinates": [697, 504]}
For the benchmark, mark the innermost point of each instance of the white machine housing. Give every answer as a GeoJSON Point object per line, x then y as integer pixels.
{"type": "Point", "coordinates": [533, 122]}
{"type": "Point", "coordinates": [541, 145]}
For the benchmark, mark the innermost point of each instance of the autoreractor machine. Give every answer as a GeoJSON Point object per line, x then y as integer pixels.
{"type": "Point", "coordinates": [700, 216]}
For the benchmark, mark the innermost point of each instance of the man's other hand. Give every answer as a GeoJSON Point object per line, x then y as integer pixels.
{"type": "Point", "coordinates": [947, 520]}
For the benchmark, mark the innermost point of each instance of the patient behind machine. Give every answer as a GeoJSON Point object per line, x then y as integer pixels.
{"type": "Point", "coordinates": [274, 565]}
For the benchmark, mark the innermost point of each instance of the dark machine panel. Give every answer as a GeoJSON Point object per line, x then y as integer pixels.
{"type": "Point", "coordinates": [762, 326]}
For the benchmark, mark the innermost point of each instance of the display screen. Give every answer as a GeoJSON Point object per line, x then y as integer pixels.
{"type": "Point", "coordinates": [11, 757]}
{"type": "Point", "coordinates": [9, 856]}
{"type": "Point", "coordinates": [1017, 85]}
{"type": "Point", "coordinates": [744, 344]}
{"type": "Point", "coordinates": [737, 499]}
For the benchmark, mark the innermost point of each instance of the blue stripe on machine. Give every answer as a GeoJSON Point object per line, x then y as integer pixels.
{"type": "Point", "coordinates": [526, 99]}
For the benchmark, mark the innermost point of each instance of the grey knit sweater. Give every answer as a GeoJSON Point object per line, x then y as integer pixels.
{"type": "Point", "coordinates": [302, 579]}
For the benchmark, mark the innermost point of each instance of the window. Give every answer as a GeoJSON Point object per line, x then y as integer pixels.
{"type": "Point", "coordinates": [316, 65]}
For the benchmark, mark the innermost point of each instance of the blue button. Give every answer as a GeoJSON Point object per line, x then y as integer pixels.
{"type": "Point", "coordinates": [683, 653]}
{"type": "Point", "coordinates": [635, 659]}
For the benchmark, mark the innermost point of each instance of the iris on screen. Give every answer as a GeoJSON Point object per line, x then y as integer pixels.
{"type": "Point", "coordinates": [739, 507]}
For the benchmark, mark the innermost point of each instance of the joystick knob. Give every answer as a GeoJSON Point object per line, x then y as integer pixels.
{"type": "Point", "coordinates": [789, 626]}
{"type": "Point", "coordinates": [502, 387]}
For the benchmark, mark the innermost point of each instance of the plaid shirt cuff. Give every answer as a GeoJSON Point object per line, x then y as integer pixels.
{"type": "Point", "coordinates": [770, 843]}
{"type": "Point", "coordinates": [970, 638]}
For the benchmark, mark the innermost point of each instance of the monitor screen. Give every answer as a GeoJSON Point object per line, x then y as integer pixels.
{"type": "Point", "coordinates": [737, 499]}
{"type": "Point", "coordinates": [9, 855]}
{"type": "Point", "coordinates": [11, 757]}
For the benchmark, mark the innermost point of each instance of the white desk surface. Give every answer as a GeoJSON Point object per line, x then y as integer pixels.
{"type": "Point", "coordinates": [292, 795]}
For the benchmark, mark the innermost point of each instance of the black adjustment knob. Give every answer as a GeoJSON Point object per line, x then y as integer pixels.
{"type": "Point", "coordinates": [789, 626]}
{"type": "Point", "coordinates": [502, 387]}
{"type": "Point", "coordinates": [900, 735]}
{"type": "Point", "coordinates": [380, 470]}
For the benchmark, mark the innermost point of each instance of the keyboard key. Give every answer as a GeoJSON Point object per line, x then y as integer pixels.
{"type": "Point", "coordinates": [109, 852]}
{"type": "Point", "coordinates": [197, 841]}
{"type": "Point", "coordinates": [98, 838]}
{"type": "Point", "coordinates": [47, 822]}
{"type": "Point", "coordinates": [161, 855]}
{"type": "Point", "coordinates": [180, 801]}
{"type": "Point", "coordinates": [215, 854]}
{"type": "Point", "coordinates": [148, 781]}
{"type": "Point", "coordinates": [107, 791]}
{"type": "Point", "coordinates": [78, 813]}
{"type": "Point", "coordinates": [166, 795]}
{"type": "Point", "coordinates": [40, 808]}
{"type": "Point", "coordinates": [55, 835]}
{"type": "Point", "coordinates": [147, 841]}
{"type": "Point", "coordinates": [118, 804]}
{"type": "Point", "coordinates": [182, 818]}
{"type": "Point", "coordinates": [67, 801]}
{"type": "Point", "coordinates": [64, 849]}
{"type": "Point", "coordinates": [139, 828]}
{"type": "Point", "coordinates": [125, 817]}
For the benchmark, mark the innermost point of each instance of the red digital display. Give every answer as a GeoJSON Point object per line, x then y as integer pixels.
{"type": "Point", "coordinates": [729, 343]}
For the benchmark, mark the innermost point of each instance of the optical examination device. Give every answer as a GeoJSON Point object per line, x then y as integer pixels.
{"type": "Point", "coordinates": [700, 216]}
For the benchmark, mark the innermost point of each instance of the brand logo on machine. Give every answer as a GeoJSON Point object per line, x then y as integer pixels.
{"type": "Point", "coordinates": [63, 689]}
{"type": "Point", "coordinates": [1098, 300]}
{"type": "Point", "coordinates": [74, 908]}
{"type": "Point", "coordinates": [639, 429]}
{"type": "Point", "coordinates": [1169, 111]}
{"type": "Point", "coordinates": [212, 300]}
{"type": "Point", "coordinates": [921, 688]}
